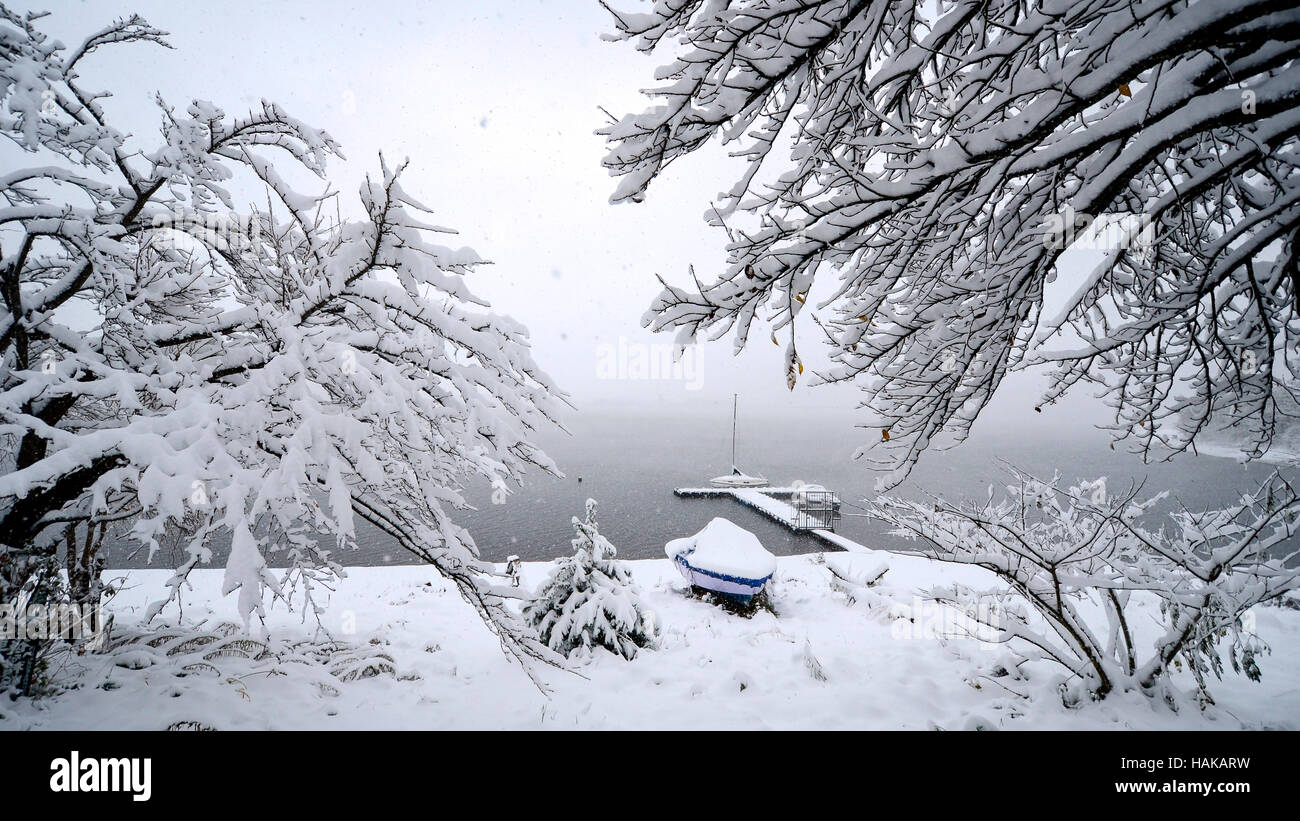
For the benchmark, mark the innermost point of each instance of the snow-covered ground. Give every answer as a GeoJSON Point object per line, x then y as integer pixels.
{"type": "Point", "coordinates": [822, 661]}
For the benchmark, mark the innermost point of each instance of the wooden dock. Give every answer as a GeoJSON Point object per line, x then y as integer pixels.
{"type": "Point", "coordinates": [777, 504]}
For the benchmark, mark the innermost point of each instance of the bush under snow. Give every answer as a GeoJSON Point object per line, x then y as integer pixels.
{"type": "Point", "coordinates": [590, 601]}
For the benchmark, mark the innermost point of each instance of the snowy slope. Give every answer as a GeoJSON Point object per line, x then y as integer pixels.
{"type": "Point", "coordinates": [827, 660]}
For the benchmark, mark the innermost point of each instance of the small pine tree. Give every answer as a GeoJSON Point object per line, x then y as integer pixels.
{"type": "Point", "coordinates": [590, 600]}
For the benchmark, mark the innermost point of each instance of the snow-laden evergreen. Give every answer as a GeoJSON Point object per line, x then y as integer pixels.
{"type": "Point", "coordinates": [590, 601]}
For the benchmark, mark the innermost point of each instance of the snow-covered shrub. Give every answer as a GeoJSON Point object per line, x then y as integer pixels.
{"type": "Point", "coordinates": [1073, 553]}
{"type": "Point", "coordinates": [175, 367]}
{"type": "Point", "coordinates": [589, 599]}
{"type": "Point", "coordinates": [215, 666]}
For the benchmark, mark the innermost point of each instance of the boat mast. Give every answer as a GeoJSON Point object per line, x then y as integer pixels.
{"type": "Point", "coordinates": [735, 397]}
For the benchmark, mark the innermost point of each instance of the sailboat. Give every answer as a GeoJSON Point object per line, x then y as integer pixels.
{"type": "Point", "coordinates": [737, 477]}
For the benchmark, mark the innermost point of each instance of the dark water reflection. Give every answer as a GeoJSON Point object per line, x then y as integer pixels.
{"type": "Point", "coordinates": [631, 462]}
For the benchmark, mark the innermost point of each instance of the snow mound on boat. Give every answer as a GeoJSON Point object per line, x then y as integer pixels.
{"type": "Point", "coordinates": [738, 479]}
{"type": "Point", "coordinates": [726, 548]}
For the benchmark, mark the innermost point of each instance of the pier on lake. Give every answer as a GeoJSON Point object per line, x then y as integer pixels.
{"type": "Point", "coordinates": [812, 510]}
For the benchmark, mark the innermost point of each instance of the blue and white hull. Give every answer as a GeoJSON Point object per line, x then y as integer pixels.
{"type": "Point", "coordinates": [734, 587]}
{"type": "Point", "coordinates": [723, 558]}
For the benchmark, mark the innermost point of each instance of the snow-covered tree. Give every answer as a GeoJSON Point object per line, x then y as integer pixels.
{"type": "Point", "coordinates": [941, 156]}
{"type": "Point", "coordinates": [589, 599]}
{"type": "Point", "coordinates": [1074, 553]}
{"type": "Point", "coordinates": [178, 366]}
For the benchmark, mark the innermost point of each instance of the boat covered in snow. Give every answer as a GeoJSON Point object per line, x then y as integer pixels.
{"type": "Point", "coordinates": [738, 479]}
{"type": "Point", "coordinates": [723, 558]}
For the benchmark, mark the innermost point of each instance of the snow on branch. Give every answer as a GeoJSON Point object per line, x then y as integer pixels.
{"type": "Point", "coordinates": [274, 372]}
{"type": "Point", "coordinates": [939, 158]}
{"type": "Point", "coordinates": [1076, 555]}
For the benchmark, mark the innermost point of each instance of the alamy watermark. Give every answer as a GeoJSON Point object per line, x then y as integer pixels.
{"type": "Point", "coordinates": [75, 773]}
{"type": "Point", "coordinates": [932, 620]}
{"type": "Point", "coordinates": [224, 231]}
{"type": "Point", "coordinates": [64, 620]}
{"type": "Point", "coordinates": [1071, 229]}
{"type": "Point", "coordinates": [642, 361]}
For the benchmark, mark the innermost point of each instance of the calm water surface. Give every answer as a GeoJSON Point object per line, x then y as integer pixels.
{"type": "Point", "coordinates": [631, 462]}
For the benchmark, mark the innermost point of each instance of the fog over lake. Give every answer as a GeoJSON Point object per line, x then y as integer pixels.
{"type": "Point", "coordinates": [631, 460]}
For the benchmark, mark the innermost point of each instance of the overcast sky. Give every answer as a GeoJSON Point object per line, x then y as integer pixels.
{"type": "Point", "coordinates": [495, 103]}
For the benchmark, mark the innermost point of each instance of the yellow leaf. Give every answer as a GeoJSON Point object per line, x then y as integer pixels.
{"type": "Point", "coordinates": [1124, 89]}
{"type": "Point", "coordinates": [799, 297]}
{"type": "Point", "coordinates": [800, 367]}
{"type": "Point", "coordinates": [774, 342]}
{"type": "Point", "coordinates": [884, 435]}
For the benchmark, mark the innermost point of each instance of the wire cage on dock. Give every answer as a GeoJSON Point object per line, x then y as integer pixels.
{"type": "Point", "coordinates": [814, 510]}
